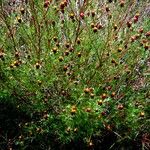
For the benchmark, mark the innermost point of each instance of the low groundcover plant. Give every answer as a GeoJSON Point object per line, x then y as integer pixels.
{"type": "Point", "coordinates": [78, 70]}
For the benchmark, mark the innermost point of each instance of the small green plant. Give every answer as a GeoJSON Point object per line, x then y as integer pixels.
{"type": "Point", "coordinates": [77, 69]}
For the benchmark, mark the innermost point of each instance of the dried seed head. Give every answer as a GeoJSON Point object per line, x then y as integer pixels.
{"type": "Point", "coordinates": [142, 114]}
{"type": "Point", "coordinates": [62, 5]}
{"type": "Point", "coordinates": [72, 15]}
{"type": "Point", "coordinates": [17, 54]}
{"type": "Point", "coordinates": [73, 111]}
{"type": "Point", "coordinates": [95, 29]}
{"type": "Point", "coordinates": [46, 4]}
{"type": "Point", "coordinates": [65, 68]}
{"type": "Point", "coordinates": [100, 102]}
{"type": "Point", "coordinates": [107, 9]}
{"type": "Point", "coordinates": [146, 47]}
{"type": "Point", "coordinates": [19, 19]}
{"type": "Point", "coordinates": [68, 129]}
{"type": "Point", "coordinates": [1, 55]}
{"type": "Point", "coordinates": [115, 27]}
{"type": "Point", "coordinates": [16, 63]}
{"type": "Point", "coordinates": [66, 53]}
{"type": "Point", "coordinates": [113, 94]}
{"type": "Point", "coordinates": [122, 3]}
{"type": "Point", "coordinates": [113, 61]}
{"type": "Point", "coordinates": [120, 106]}
{"type": "Point", "coordinates": [79, 54]}
{"type": "Point", "coordinates": [37, 65]}
{"type": "Point", "coordinates": [92, 25]}
{"type": "Point", "coordinates": [92, 95]}
{"type": "Point", "coordinates": [82, 15]}
{"type": "Point", "coordinates": [54, 50]}
{"type": "Point", "coordinates": [57, 44]}
{"type": "Point", "coordinates": [135, 19]}
{"type": "Point", "coordinates": [104, 95]}
{"type": "Point", "coordinates": [12, 66]}
{"type": "Point", "coordinates": [91, 144]}
{"type": "Point", "coordinates": [55, 38]}
{"type": "Point", "coordinates": [65, 2]}
{"type": "Point", "coordinates": [99, 26]}
{"type": "Point", "coordinates": [71, 49]}
{"type": "Point", "coordinates": [137, 15]}
{"type": "Point", "coordinates": [75, 130]}
{"type": "Point", "coordinates": [39, 82]}
{"type": "Point", "coordinates": [93, 13]}
{"type": "Point", "coordinates": [87, 90]}
{"type": "Point", "coordinates": [60, 58]}
{"type": "Point", "coordinates": [53, 22]}
{"type": "Point", "coordinates": [147, 34]}
{"type": "Point", "coordinates": [141, 30]}
{"type": "Point", "coordinates": [67, 45]}
{"type": "Point", "coordinates": [22, 10]}
{"type": "Point", "coordinates": [129, 24]}
{"type": "Point", "coordinates": [88, 109]}
{"type": "Point", "coordinates": [119, 49]}
{"type": "Point", "coordinates": [78, 41]}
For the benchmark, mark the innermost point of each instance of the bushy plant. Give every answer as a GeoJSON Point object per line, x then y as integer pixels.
{"type": "Point", "coordinates": [77, 68]}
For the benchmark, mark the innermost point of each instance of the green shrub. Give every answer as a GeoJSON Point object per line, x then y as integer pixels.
{"type": "Point", "coordinates": [77, 70]}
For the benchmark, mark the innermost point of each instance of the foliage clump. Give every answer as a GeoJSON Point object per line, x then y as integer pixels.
{"type": "Point", "coordinates": [78, 70]}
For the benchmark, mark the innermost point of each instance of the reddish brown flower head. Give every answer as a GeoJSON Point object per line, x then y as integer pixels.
{"type": "Point", "coordinates": [1, 55]}
{"type": "Point", "coordinates": [65, 2]}
{"type": "Point", "coordinates": [93, 13]}
{"type": "Point", "coordinates": [142, 114]}
{"type": "Point", "coordinates": [107, 9]}
{"type": "Point", "coordinates": [104, 95]}
{"type": "Point", "coordinates": [122, 3]}
{"type": "Point", "coordinates": [100, 102]}
{"type": "Point", "coordinates": [37, 65]}
{"type": "Point", "coordinates": [103, 113]}
{"type": "Point", "coordinates": [129, 24]}
{"type": "Point", "coordinates": [147, 34]}
{"type": "Point", "coordinates": [92, 25]}
{"type": "Point", "coordinates": [86, 90]}
{"type": "Point", "coordinates": [146, 47]}
{"type": "Point", "coordinates": [82, 15]}
{"type": "Point", "coordinates": [79, 54]}
{"type": "Point", "coordinates": [115, 27]}
{"type": "Point", "coordinates": [137, 15]}
{"type": "Point", "coordinates": [65, 68]}
{"type": "Point", "coordinates": [99, 26]}
{"type": "Point", "coordinates": [141, 30]}
{"type": "Point", "coordinates": [95, 29]}
{"type": "Point", "coordinates": [17, 54]}
{"type": "Point", "coordinates": [62, 5]}
{"type": "Point", "coordinates": [46, 4]}
{"type": "Point", "coordinates": [113, 94]}
{"type": "Point", "coordinates": [120, 106]}
{"type": "Point", "coordinates": [135, 19]}
{"type": "Point", "coordinates": [88, 109]}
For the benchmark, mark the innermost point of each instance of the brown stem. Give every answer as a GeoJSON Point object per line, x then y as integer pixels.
{"type": "Point", "coordinates": [125, 17]}
{"type": "Point", "coordinates": [3, 16]}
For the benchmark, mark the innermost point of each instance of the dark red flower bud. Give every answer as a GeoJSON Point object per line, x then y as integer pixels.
{"type": "Point", "coordinates": [46, 4]}
{"type": "Point", "coordinates": [82, 15]}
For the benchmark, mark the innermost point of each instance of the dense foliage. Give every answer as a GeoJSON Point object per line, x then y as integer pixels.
{"type": "Point", "coordinates": [74, 71]}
